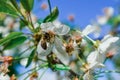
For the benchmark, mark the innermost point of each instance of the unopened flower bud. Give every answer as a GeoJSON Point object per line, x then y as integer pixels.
{"type": "Point", "coordinates": [44, 6]}
{"type": "Point", "coordinates": [110, 54]}
{"type": "Point", "coordinates": [71, 17]}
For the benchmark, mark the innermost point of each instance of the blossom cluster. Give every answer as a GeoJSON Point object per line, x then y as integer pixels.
{"type": "Point", "coordinates": [49, 43]}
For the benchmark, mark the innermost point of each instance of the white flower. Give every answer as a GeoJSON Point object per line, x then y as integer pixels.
{"type": "Point", "coordinates": [102, 20]}
{"type": "Point", "coordinates": [96, 58]}
{"type": "Point", "coordinates": [108, 11]}
{"type": "Point", "coordinates": [16, 26]}
{"type": "Point", "coordinates": [56, 27]}
{"type": "Point", "coordinates": [9, 52]}
{"type": "Point", "coordinates": [34, 18]}
{"type": "Point", "coordinates": [4, 30]}
{"type": "Point", "coordinates": [88, 30]}
{"type": "Point", "coordinates": [42, 51]}
{"type": "Point", "coordinates": [60, 52]}
{"type": "Point", "coordinates": [97, 30]}
{"type": "Point", "coordinates": [36, 25]}
{"type": "Point", "coordinates": [24, 61]}
{"type": "Point", "coordinates": [8, 21]}
{"type": "Point", "coordinates": [88, 76]}
{"type": "Point", "coordinates": [4, 76]}
{"type": "Point", "coordinates": [57, 46]}
{"type": "Point", "coordinates": [106, 42]}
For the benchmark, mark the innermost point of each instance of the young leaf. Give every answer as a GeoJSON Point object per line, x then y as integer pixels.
{"type": "Point", "coordinates": [27, 4]}
{"type": "Point", "coordinates": [10, 37]}
{"type": "Point", "coordinates": [52, 16]}
{"type": "Point", "coordinates": [31, 57]}
{"type": "Point", "coordinates": [7, 8]}
{"type": "Point", "coordinates": [15, 42]}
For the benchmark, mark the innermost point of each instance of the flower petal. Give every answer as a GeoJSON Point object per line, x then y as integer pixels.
{"type": "Point", "coordinates": [89, 29]}
{"type": "Point", "coordinates": [60, 53]}
{"type": "Point", "coordinates": [95, 59]}
{"type": "Point", "coordinates": [106, 43]}
{"type": "Point", "coordinates": [24, 61]}
{"type": "Point", "coordinates": [62, 29]}
{"type": "Point", "coordinates": [39, 48]}
{"type": "Point", "coordinates": [48, 50]}
{"type": "Point", "coordinates": [47, 26]}
{"type": "Point", "coordinates": [88, 76]}
{"type": "Point", "coordinates": [102, 20]}
{"type": "Point", "coordinates": [4, 76]}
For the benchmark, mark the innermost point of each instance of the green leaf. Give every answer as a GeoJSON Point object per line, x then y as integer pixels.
{"type": "Point", "coordinates": [22, 25]}
{"type": "Point", "coordinates": [11, 36]}
{"type": "Point", "coordinates": [7, 8]}
{"type": "Point", "coordinates": [15, 42]}
{"type": "Point", "coordinates": [31, 57]}
{"type": "Point", "coordinates": [52, 16]}
{"type": "Point", "coordinates": [27, 4]}
{"type": "Point", "coordinates": [14, 3]}
{"type": "Point", "coordinates": [114, 21]}
{"type": "Point", "coordinates": [61, 67]}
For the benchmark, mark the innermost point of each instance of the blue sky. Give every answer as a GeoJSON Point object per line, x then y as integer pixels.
{"type": "Point", "coordinates": [84, 10]}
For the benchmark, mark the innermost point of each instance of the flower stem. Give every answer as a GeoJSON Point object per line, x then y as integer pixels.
{"type": "Point", "coordinates": [34, 69]}
{"type": "Point", "coordinates": [50, 9]}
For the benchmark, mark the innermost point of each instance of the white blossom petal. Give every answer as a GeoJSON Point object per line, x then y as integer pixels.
{"type": "Point", "coordinates": [47, 26]}
{"type": "Point", "coordinates": [102, 20]}
{"type": "Point", "coordinates": [48, 50]}
{"type": "Point", "coordinates": [8, 21]}
{"type": "Point", "coordinates": [39, 48]}
{"type": "Point", "coordinates": [95, 59]}
{"type": "Point", "coordinates": [60, 52]}
{"type": "Point", "coordinates": [42, 51]}
{"type": "Point", "coordinates": [16, 26]}
{"type": "Point", "coordinates": [56, 23]}
{"type": "Point", "coordinates": [56, 27]}
{"type": "Point", "coordinates": [4, 30]}
{"type": "Point", "coordinates": [36, 25]}
{"type": "Point", "coordinates": [89, 29]}
{"type": "Point", "coordinates": [24, 61]}
{"type": "Point", "coordinates": [4, 76]}
{"type": "Point", "coordinates": [106, 43]}
{"type": "Point", "coordinates": [88, 76]}
{"type": "Point", "coordinates": [108, 11]}
{"type": "Point", "coordinates": [62, 30]}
